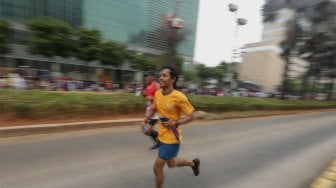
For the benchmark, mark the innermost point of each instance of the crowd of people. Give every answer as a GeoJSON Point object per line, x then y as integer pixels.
{"type": "Point", "coordinates": [16, 81]}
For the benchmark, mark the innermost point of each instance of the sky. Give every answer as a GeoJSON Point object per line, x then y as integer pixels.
{"type": "Point", "coordinates": [216, 29]}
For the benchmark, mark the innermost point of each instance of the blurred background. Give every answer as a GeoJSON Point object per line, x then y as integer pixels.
{"type": "Point", "coordinates": [275, 48]}
{"type": "Point", "coordinates": [64, 61]}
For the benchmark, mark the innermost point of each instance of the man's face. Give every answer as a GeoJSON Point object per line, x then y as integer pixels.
{"type": "Point", "coordinates": [148, 79]}
{"type": "Point", "coordinates": [165, 79]}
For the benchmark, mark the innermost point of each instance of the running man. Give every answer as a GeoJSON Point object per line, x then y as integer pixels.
{"type": "Point", "coordinates": [169, 104]}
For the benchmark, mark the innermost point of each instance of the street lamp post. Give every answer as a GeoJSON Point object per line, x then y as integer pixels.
{"type": "Point", "coordinates": [239, 22]}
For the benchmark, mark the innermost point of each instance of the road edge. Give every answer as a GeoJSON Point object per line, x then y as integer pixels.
{"type": "Point", "coordinates": [24, 130]}
{"type": "Point", "coordinates": [327, 178]}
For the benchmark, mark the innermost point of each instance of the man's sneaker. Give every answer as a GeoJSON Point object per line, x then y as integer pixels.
{"type": "Point", "coordinates": [196, 166]}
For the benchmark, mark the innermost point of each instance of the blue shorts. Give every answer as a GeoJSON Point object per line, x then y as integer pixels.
{"type": "Point", "coordinates": [168, 151]}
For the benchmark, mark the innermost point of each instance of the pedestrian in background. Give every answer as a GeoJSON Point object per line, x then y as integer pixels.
{"type": "Point", "coordinates": [149, 89]}
{"type": "Point", "coordinates": [170, 104]}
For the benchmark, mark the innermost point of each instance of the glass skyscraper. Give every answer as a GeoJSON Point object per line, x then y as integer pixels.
{"type": "Point", "coordinates": [127, 21]}
{"type": "Point", "coordinates": [133, 22]}
{"type": "Point", "coordinates": [20, 10]}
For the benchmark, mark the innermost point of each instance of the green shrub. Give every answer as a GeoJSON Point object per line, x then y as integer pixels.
{"type": "Point", "coordinates": [23, 110]}
{"type": "Point", "coordinates": [39, 104]}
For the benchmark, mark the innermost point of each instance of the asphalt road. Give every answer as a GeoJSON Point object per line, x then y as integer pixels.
{"type": "Point", "coordinates": [278, 152]}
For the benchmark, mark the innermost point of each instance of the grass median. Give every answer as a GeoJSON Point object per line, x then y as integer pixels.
{"type": "Point", "coordinates": [44, 104]}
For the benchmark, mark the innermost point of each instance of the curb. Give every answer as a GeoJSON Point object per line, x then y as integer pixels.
{"type": "Point", "coordinates": [62, 127]}
{"type": "Point", "coordinates": [24, 130]}
{"type": "Point", "coordinates": [327, 179]}
{"type": "Point", "coordinates": [211, 116]}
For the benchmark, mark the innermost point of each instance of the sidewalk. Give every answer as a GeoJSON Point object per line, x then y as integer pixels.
{"type": "Point", "coordinates": [327, 179]}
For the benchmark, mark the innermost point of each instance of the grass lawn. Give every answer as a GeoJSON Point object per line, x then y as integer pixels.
{"type": "Point", "coordinates": [42, 104]}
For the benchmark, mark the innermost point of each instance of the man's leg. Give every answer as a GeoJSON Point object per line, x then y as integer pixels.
{"type": "Point", "coordinates": [153, 134]}
{"type": "Point", "coordinates": [179, 162]}
{"type": "Point", "coordinates": [194, 164]}
{"type": "Point", "coordinates": [158, 171]}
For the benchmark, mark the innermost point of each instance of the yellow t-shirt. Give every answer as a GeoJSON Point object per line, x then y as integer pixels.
{"type": "Point", "coordinates": [171, 106]}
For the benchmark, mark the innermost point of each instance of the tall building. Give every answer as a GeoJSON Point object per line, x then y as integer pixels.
{"type": "Point", "coordinates": [262, 63]}
{"type": "Point", "coordinates": [133, 22]}
{"type": "Point", "coordinates": [136, 22]}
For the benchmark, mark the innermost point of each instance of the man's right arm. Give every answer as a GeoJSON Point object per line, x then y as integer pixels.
{"type": "Point", "coordinates": [143, 92]}
{"type": "Point", "coordinates": [149, 116]}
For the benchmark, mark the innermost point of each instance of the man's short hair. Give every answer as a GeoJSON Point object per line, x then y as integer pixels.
{"type": "Point", "coordinates": [149, 73]}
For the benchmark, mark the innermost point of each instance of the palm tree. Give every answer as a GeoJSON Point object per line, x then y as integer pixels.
{"type": "Point", "coordinates": [5, 33]}
{"type": "Point", "coordinates": [311, 34]}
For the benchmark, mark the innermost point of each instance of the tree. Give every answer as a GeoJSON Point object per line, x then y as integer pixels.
{"type": "Point", "coordinates": [271, 7]}
{"type": "Point", "coordinates": [5, 34]}
{"type": "Point", "coordinates": [204, 72]}
{"type": "Point", "coordinates": [144, 63]}
{"type": "Point", "coordinates": [166, 37]}
{"type": "Point", "coordinates": [318, 43]}
{"type": "Point", "coordinates": [189, 75]}
{"type": "Point", "coordinates": [50, 37]}
{"type": "Point", "coordinates": [293, 86]}
{"type": "Point", "coordinates": [166, 59]}
{"type": "Point", "coordinates": [173, 38]}
{"type": "Point", "coordinates": [113, 53]}
{"type": "Point", "coordinates": [287, 46]}
{"type": "Point", "coordinates": [311, 35]}
{"type": "Point", "coordinates": [88, 44]}
{"type": "Point", "coordinates": [223, 65]}
{"type": "Point", "coordinates": [218, 73]}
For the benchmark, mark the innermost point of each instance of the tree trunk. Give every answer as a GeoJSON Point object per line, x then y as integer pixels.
{"type": "Point", "coordinates": [2, 61]}
{"type": "Point", "coordinates": [284, 77]}
{"type": "Point", "coordinates": [172, 47]}
{"type": "Point", "coordinates": [305, 82]}
{"type": "Point", "coordinates": [331, 89]}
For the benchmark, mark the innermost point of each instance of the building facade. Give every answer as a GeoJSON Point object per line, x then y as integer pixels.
{"type": "Point", "coordinates": [126, 21]}
{"type": "Point", "coordinates": [262, 63]}
{"type": "Point", "coordinates": [136, 22]}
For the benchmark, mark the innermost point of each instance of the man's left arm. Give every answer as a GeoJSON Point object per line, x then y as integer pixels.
{"type": "Point", "coordinates": [175, 124]}
{"type": "Point", "coordinates": [184, 120]}
{"type": "Point", "coordinates": [187, 109]}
